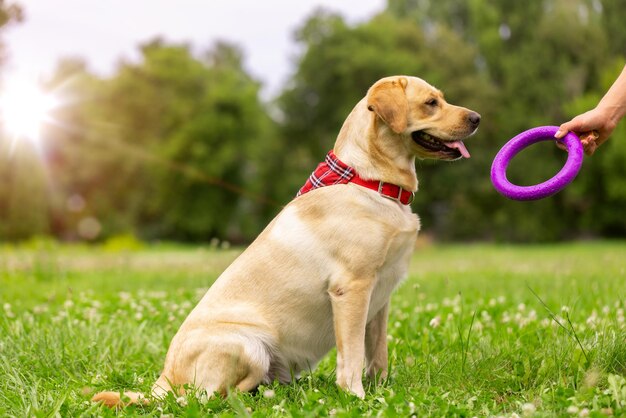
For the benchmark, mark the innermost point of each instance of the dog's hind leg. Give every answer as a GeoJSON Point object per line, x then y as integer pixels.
{"type": "Point", "coordinates": [161, 387]}
{"type": "Point", "coordinates": [236, 359]}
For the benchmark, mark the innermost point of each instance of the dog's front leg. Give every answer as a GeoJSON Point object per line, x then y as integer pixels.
{"type": "Point", "coordinates": [376, 344]}
{"type": "Point", "coordinates": [350, 301]}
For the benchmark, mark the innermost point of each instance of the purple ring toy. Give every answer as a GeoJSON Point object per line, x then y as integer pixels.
{"type": "Point", "coordinates": [547, 188]}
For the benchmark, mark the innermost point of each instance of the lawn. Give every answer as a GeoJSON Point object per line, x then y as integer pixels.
{"type": "Point", "coordinates": [476, 330]}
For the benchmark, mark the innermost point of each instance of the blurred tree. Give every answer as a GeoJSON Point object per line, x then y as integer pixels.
{"type": "Point", "coordinates": [179, 146]}
{"type": "Point", "coordinates": [170, 147]}
{"type": "Point", "coordinates": [23, 192]}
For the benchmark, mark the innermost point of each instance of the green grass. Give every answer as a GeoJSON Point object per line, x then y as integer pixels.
{"type": "Point", "coordinates": [476, 330]}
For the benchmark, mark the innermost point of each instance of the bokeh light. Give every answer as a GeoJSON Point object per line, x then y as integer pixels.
{"type": "Point", "coordinates": [24, 108]}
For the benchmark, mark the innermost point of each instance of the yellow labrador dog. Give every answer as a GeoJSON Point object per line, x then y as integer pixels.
{"type": "Point", "coordinates": [322, 272]}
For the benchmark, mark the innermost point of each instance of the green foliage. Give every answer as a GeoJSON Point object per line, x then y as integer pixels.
{"type": "Point", "coordinates": [173, 146]}
{"type": "Point", "coordinates": [178, 145]}
{"type": "Point", "coordinates": [23, 192]}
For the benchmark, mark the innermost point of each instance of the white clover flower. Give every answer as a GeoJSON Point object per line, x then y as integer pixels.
{"type": "Point", "coordinates": [593, 319]}
{"type": "Point", "coordinates": [431, 307]}
{"type": "Point", "coordinates": [203, 398]}
{"type": "Point", "coordinates": [182, 401]}
{"type": "Point", "coordinates": [269, 393]}
{"type": "Point", "coordinates": [572, 409]}
{"type": "Point", "coordinates": [506, 317]}
{"type": "Point", "coordinates": [39, 309]}
{"type": "Point", "coordinates": [91, 313]}
{"type": "Point", "coordinates": [435, 322]}
{"type": "Point", "coordinates": [521, 307]}
{"type": "Point", "coordinates": [584, 412]}
{"type": "Point", "coordinates": [528, 409]}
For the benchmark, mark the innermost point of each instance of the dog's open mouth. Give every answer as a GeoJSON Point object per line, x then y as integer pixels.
{"type": "Point", "coordinates": [455, 149]}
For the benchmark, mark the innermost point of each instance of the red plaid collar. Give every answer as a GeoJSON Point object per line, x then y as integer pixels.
{"type": "Point", "coordinates": [334, 171]}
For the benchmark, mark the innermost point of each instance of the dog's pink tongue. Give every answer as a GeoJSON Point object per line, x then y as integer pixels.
{"type": "Point", "coordinates": [460, 146]}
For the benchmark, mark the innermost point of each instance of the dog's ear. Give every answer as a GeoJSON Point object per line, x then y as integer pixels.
{"type": "Point", "coordinates": [388, 100]}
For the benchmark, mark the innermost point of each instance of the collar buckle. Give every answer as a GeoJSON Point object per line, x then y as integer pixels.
{"type": "Point", "coordinates": [397, 198]}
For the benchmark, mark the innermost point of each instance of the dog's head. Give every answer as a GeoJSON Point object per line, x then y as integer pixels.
{"type": "Point", "coordinates": [418, 114]}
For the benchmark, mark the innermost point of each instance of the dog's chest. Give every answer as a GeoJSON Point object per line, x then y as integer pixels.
{"type": "Point", "coordinates": [395, 267]}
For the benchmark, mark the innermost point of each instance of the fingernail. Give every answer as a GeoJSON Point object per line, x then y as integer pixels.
{"type": "Point", "coordinates": [558, 134]}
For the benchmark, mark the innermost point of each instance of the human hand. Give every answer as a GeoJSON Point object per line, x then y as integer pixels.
{"type": "Point", "coordinates": [593, 128]}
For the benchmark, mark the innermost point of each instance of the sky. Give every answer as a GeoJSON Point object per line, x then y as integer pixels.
{"type": "Point", "coordinates": [103, 31]}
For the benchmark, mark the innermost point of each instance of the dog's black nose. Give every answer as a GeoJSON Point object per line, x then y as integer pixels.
{"type": "Point", "coordinates": [474, 118]}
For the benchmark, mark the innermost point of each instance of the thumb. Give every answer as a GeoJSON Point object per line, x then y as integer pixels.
{"type": "Point", "coordinates": [565, 128]}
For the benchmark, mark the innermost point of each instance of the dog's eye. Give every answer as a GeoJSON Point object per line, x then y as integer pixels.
{"type": "Point", "coordinates": [432, 102]}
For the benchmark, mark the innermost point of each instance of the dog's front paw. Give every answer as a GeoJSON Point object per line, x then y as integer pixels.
{"type": "Point", "coordinates": [358, 392]}
{"type": "Point", "coordinates": [355, 388]}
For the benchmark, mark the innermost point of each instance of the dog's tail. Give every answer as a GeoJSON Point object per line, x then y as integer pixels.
{"type": "Point", "coordinates": [121, 400]}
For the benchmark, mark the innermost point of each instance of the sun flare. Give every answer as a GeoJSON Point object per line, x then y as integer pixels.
{"type": "Point", "coordinates": [24, 108]}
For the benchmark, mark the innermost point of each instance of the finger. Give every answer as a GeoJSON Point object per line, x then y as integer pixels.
{"type": "Point", "coordinates": [590, 147]}
{"type": "Point", "coordinates": [575, 125]}
{"type": "Point", "coordinates": [561, 145]}
{"type": "Point", "coordinates": [563, 130]}
{"type": "Point", "coordinates": [560, 133]}
{"type": "Point", "coordinates": [589, 141]}
{"type": "Point", "coordinates": [602, 137]}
